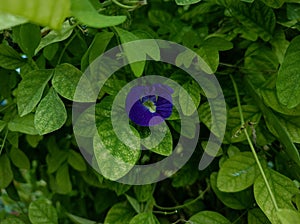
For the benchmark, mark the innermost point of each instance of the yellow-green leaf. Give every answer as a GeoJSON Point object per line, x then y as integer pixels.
{"type": "Point", "coordinates": [50, 13]}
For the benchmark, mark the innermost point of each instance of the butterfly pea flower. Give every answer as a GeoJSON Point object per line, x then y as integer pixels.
{"type": "Point", "coordinates": [149, 105]}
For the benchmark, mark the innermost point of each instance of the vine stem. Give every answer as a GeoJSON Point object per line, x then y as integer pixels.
{"type": "Point", "coordinates": [122, 5]}
{"type": "Point", "coordinates": [251, 145]}
{"type": "Point", "coordinates": [3, 143]}
{"type": "Point", "coordinates": [65, 48]}
{"type": "Point", "coordinates": [201, 195]}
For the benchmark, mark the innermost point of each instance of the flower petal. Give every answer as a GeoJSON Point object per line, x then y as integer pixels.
{"type": "Point", "coordinates": [139, 113]}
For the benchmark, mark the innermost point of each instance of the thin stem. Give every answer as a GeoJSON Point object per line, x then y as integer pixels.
{"type": "Point", "coordinates": [235, 221]}
{"type": "Point", "coordinates": [252, 147]}
{"type": "Point", "coordinates": [123, 6]}
{"type": "Point", "coordinates": [65, 48]}
{"type": "Point", "coordinates": [166, 213]}
{"type": "Point", "coordinates": [186, 204]}
{"type": "Point", "coordinates": [4, 140]}
{"type": "Point", "coordinates": [32, 63]}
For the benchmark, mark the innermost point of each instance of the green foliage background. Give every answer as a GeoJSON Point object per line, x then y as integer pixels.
{"type": "Point", "coordinates": [252, 46]}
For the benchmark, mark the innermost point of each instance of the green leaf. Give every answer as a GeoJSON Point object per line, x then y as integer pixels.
{"type": "Point", "coordinates": [65, 80]}
{"type": "Point", "coordinates": [96, 48]}
{"type": "Point", "coordinates": [209, 51]}
{"type": "Point", "coordinates": [237, 173]}
{"type": "Point", "coordinates": [143, 192]}
{"type": "Point", "coordinates": [233, 130]}
{"type": "Point", "coordinates": [12, 221]}
{"type": "Point", "coordinates": [260, 59]}
{"type": "Point", "coordinates": [88, 15]}
{"type": "Point", "coordinates": [268, 92]}
{"type": "Point", "coordinates": [50, 51]}
{"type": "Point", "coordinates": [210, 56]}
{"type": "Point", "coordinates": [136, 54]}
{"type": "Point", "coordinates": [50, 13]}
{"type": "Point", "coordinates": [287, 216]}
{"type": "Point", "coordinates": [6, 174]}
{"type": "Point", "coordinates": [219, 123]}
{"type": "Point", "coordinates": [147, 218]}
{"type": "Point", "coordinates": [8, 20]}
{"type": "Point", "coordinates": [19, 159]}
{"type": "Point", "coordinates": [256, 17]}
{"type": "Point", "coordinates": [31, 89]}
{"type": "Point", "coordinates": [283, 189]}
{"type": "Point", "coordinates": [134, 203]}
{"type": "Point", "coordinates": [288, 88]}
{"type": "Point", "coordinates": [186, 2]}
{"type": "Point", "coordinates": [160, 141]}
{"type": "Point", "coordinates": [23, 124]}
{"type": "Point", "coordinates": [279, 44]}
{"type": "Point", "coordinates": [79, 220]}
{"type": "Point", "coordinates": [292, 11]}
{"type": "Point", "coordinates": [2, 125]}
{"type": "Point", "coordinates": [208, 217]}
{"type": "Point", "coordinates": [63, 182]}
{"type": "Point", "coordinates": [274, 3]}
{"type": "Point", "coordinates": [120, 213]}
{"type": "Point", "coordinates": [290, 124]}
{"type": "Point", "coordinates": [185, 58]}
{"type": "Point", "coordinates": [189, 98]}
{"type": "Point", "coordinates": [28, 36]}
{"type": "Point", "coordinates": [114, 157]}
{"type": "Point", "coordinates": [213, 150]}
{"type": "Point", "coordinates": [55, 160]}
{"type": "Point", "coordinates": [33, 140]}
{"type": "Point", "coordinates": [256, 216]}
{"type": "Point", "coordinates": [41, 211]}
{"type": "Point", "coordinates": [76, 161]}
{"type": "Point", "coordinates": [136, 67]}
{"type": "Point", "coordinates": [238, 200]}
{"type": "Point", "coordinates": [186, 176]}
{"type": "Point", "coordinates": [55, 36]}
{"type": "Point", "coordinates": [9, 58]}
{"type": "Point", "coordinates": [12, 192]}
{"type": "Point", "coordinates": [50, 114]}
{"type": "Point", "coordinates": [272, 120]}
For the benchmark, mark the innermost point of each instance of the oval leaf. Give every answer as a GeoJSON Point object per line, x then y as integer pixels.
{"type": "Point", "coordinates": [19, 159]}
{"type": "Point", "coordinates": [256, 17]}
{"type": "Point", "coordinates": [119, 214]}
{"type": "Point", "coordinates": [76, 161]}
{"type": "Point", "coordinates": [28, 36]}
{"type": "Point", "coordinates": [87, 14]}
{"type": "Point", "coordinates": [51, 113]}
{"type": "Point", "coordinates": [23, 124]}
{"type": "Point", "coordinates": [47, 13]}
{"type": "Point", "coordinates": [12, 221]}
{"type": "Point", "coordinates": [147, 217]}
{"type": "Point", "coordinates": [283, 189]}
{"type": "Point", "coordinates": [288, 87]}
{"type": "Point", "coordinates": [63, 182]}
{"type": "Point", "coordinates": [287, 216]}
{"type": "Point", "coordinates": [42, 212]}
{"type": "Point", "coordinates": [31, 89]}
{"type": "Point", "coordinates": [208, 217]}
{"type": "Point", "coordinates": [238, 200]}
{"type": "Point", "coordinates": [6, 174]}
{"type": "Point", "coordinates": [9, 58]}
{"type": "Point", "coordinates": [237, 173]}
{"type": "Point", "coordinates": [186, 2]}
{"type": "Point", "coordinates": [65, 80]}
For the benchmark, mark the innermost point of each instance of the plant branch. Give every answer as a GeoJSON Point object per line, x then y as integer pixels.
{"type": "Point", "coordinates": [4, 140]}
{"type": "Point", "coordinates": [252, 147]}
{"type": "Point", "coordinates": [201, 195]}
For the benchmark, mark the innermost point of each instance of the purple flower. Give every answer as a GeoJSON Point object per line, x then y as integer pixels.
{"type": "Point", "coordinates": [149, 105]}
